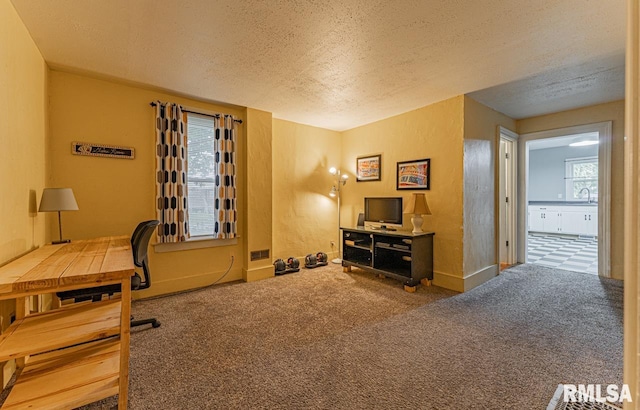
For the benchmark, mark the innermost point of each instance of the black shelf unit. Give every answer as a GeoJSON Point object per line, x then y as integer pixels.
{"type": "Point", "coordinates": [401, 255]}
{"type": "Point", "coordinates": [356, 247]}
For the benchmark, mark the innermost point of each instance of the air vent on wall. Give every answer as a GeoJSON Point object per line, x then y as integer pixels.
{"type": "Point", "coordinates": [262, 254]}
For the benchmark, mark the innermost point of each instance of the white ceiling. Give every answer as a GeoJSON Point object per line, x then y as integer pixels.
{"type": "Point", "coordinates": [338, 64]}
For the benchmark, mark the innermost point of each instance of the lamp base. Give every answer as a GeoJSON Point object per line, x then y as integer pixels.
{"type": "Point", "coordinates": [416, 221]}
{"type": "Point", "coordinates": [60, 241]}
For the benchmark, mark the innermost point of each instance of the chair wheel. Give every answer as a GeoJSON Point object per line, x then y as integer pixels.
{"type": "Point", "coordinates": [155, 324]}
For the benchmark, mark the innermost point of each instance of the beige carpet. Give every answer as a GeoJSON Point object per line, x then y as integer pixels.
{"type": "Point", "coordinates": [324, 339]}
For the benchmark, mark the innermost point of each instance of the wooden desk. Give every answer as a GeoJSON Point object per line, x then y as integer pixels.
{"type": "Point", "coordinates": [52, 375]}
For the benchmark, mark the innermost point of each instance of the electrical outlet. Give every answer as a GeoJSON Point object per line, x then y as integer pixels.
{"type": "Point", "coordinates": [559, 196]}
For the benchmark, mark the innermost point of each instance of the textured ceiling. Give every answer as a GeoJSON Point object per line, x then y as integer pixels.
{"type": "Point", "coordinates": [580, 85]}
{"type": "Point", "coordinates": [338, 64]}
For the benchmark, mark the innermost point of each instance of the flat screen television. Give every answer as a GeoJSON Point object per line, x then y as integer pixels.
{"type": "Point", "coordinates": [385, 211]}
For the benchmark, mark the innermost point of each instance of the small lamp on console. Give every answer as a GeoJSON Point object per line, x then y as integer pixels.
{"type": "Point", "coordinates": [417, 206]}
{"type": "Point", "coordinates": [56, 200]}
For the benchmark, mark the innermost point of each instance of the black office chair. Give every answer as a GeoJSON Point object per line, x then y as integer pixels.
{"type": "Point", "coordinates": [139, 246]}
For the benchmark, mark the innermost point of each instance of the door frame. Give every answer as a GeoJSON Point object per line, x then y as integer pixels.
{"type": "Point", "coordinates": [511, 185]}
{"type": "Point", "coordinates": [604, 188]}
{"type": "Point", "coordinates": [631, 207]}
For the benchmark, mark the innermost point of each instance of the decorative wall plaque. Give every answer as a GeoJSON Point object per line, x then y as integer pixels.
{"type": "Point", "coordinates": [101, 150]}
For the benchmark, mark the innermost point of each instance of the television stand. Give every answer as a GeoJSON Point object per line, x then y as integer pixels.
{"type": "Point", "coordinates": [401, 255]}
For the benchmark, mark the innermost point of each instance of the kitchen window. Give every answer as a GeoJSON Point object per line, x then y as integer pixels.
{"type": "Point", "coordinates": [581, 176]}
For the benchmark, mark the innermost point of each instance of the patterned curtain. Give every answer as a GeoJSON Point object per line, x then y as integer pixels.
{"type": "Point", "coordinates": [225, 184]}
{"type": "Point", "coordinates": [171, 173]}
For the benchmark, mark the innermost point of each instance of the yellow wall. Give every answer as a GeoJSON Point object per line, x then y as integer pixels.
{"type": "Point", "coordinates": [460, 136]}
{"type": "Point", "coordinates": [304, 216]}
{"type": "Point", "coordinates": [613, 111]}
{"type": "Point", "coordinates": [23, 136]}
{"type": "Point", "coordinates": [23, 115]}
{"type": "Point", "coordinates": [480, 182]}
{"type": "Point", "coordinates": [258, 181]}
{"type": "Point", "coordinates": [435, 132]}
{"type": "Point", "coordinates": [115, 194]}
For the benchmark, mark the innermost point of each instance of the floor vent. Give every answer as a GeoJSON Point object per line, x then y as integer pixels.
{"type": "Point", "coordinates": [262, 254]}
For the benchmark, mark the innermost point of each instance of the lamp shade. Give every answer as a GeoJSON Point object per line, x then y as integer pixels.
{"type": "Point", "coordinates": [57, 199]}
{"type": "Point", "coordinates": [417, 205]}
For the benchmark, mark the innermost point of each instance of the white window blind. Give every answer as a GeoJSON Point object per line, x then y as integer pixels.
{"type": "Point", "coordinates": [200, 174]}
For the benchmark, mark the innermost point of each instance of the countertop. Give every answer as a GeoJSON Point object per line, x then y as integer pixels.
{"type": "Point", "coordinates": [563, 203]}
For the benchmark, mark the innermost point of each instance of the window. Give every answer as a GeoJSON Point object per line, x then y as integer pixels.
{"type": "Point", "coordinates": [195, 174]}
{"type": "Point", "coordinates": [200, 174]}
{"type": "Point", "coordinates": [581, 176]}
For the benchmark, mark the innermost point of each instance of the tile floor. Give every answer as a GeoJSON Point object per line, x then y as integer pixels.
{"type": "Point", "coordinates": [564, 252]}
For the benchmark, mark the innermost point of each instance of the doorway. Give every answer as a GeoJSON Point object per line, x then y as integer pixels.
{"type": "Point", "coordinates": [507, 197]}
{"type": "Point", "coordinates": [565, 213]}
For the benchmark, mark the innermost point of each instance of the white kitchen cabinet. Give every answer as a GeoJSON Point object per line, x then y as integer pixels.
{"type": "Point", "coordinates": [536, 222]}
{"type": "Point", "coordinates": [579, 221]}
{"type": "Point", "coordinates": [544, 219]}
{"type": "Point", "coordinates": [551, 220]}
{"type": "Point", "coordinates": [592, 223]}
{"type": "Point", "coordinates": [571, 220]}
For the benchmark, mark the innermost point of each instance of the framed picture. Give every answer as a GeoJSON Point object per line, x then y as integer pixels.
{"type": "Point", "coordinates": [101, 150]}
{"type": "Point", "coordinates": [414, 174]}
{"type": "Point", "coordinates": [368, 168]}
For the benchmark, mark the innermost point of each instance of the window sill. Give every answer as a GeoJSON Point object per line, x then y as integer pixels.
{"type": "Point", "coordinates": [199, 242]}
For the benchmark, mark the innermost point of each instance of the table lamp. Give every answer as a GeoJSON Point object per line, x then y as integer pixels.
{"type": "Point", "coordinates": [417, 205]}
{"type": "Point", "coordinates": [56, 200]}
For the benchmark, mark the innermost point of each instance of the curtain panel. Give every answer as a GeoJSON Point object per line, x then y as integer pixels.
{"type": "Point", "coordinates": [171, 173]}
{"type": "Point", "coordinates": [225, 180]}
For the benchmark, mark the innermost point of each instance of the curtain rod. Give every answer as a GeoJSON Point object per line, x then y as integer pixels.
{"type": "Point", "coordinates": [153, 104]}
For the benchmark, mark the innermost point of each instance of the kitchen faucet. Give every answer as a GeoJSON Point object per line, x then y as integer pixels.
{"type": "Point", "coordinates": [588, 194]}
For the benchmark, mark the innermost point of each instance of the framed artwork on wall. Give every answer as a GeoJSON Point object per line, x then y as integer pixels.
{"type": "Point", "coordinates": [368, 168]}
{"type": "Point", "coordinates": [414, 174]}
